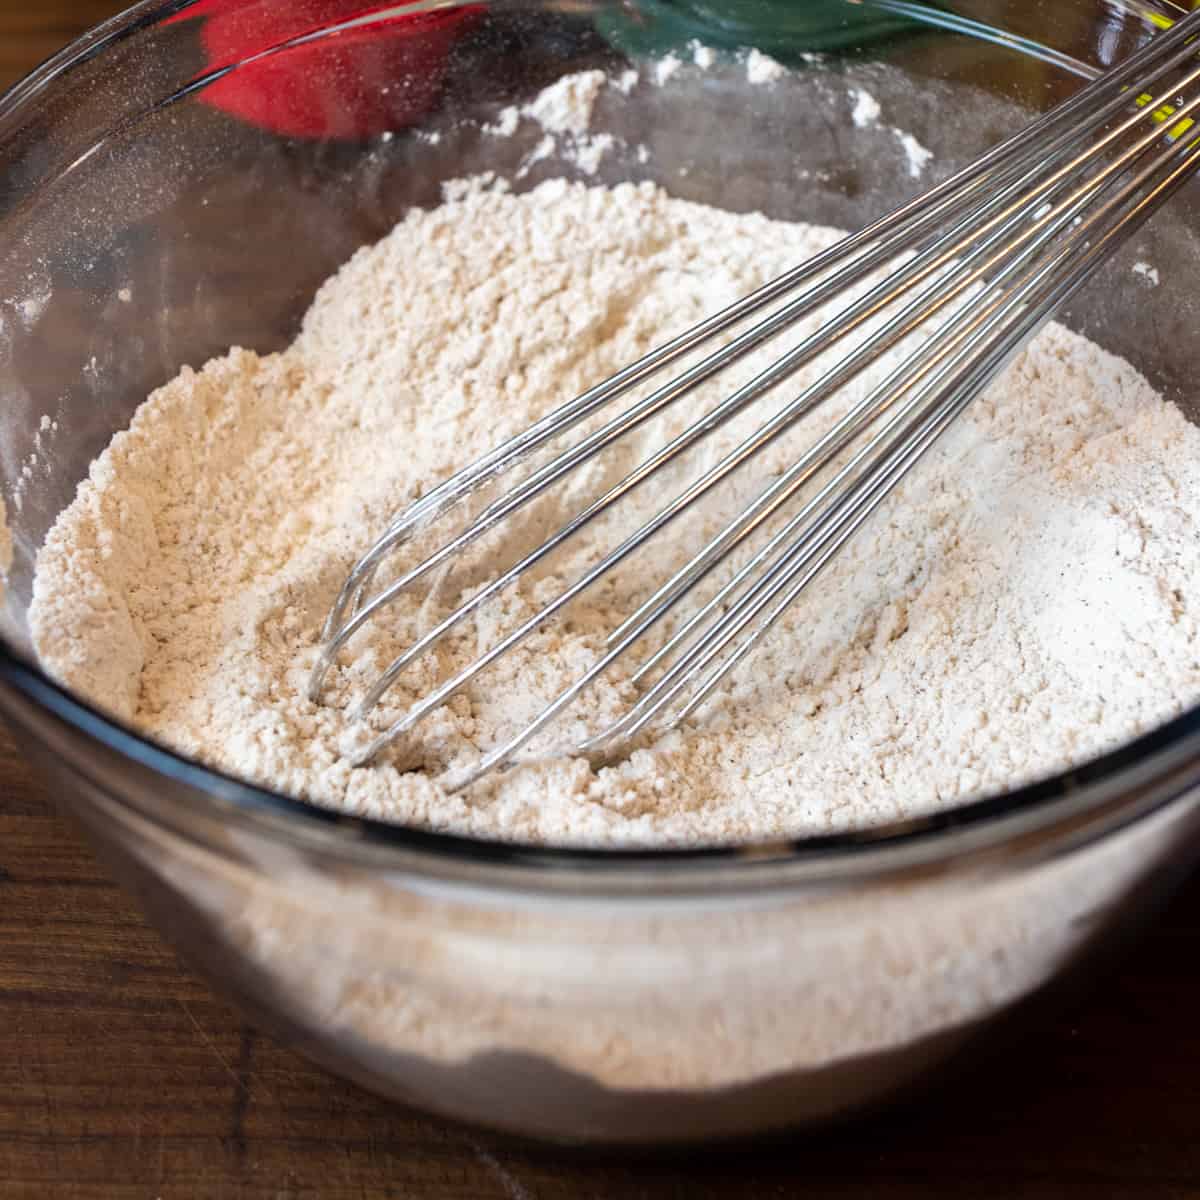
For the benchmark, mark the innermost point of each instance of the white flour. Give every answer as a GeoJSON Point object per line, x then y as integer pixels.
{"type": "Point", "coordinates": [564, 111]}
{"type": "Point", "coordinates": [866, 108]}
{"type": "Point", "coordinates": [917, 156]}
{"type": "Point", "coordinates": [762, 69]}
{"type": "Point", "coordinates": [1026, 599]}
{"type": "Point", "coordinates": [865, 112]}
{"type": "Point", "coordinates": [567, 106]}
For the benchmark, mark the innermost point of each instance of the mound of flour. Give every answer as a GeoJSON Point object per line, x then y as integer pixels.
{"type": "Point", "coordinates": [1026, 599]}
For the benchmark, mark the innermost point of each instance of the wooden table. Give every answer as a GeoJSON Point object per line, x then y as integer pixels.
{"type": "Point", "coordinates": [123, 1078]}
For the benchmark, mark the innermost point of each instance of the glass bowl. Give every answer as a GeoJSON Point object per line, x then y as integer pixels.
{"type": "Point", "coordinates": [161, 203]}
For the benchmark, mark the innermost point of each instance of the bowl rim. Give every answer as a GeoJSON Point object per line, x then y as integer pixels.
{"type": "Point", "coordinates": [1093, 799]}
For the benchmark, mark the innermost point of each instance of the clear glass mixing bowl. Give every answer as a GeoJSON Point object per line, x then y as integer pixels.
{"type": "Point", "coordinates": [153, 215]}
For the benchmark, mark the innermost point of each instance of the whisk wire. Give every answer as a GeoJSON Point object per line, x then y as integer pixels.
{"type": "Point", "coordinates": [807, 557]}
{"type": "Point", "coordinates": [948, 195]}
{"type": "Point", "coordinates": [815, 546]}
{"type": "Point", "coordinates": [913, 452]}
{"type": "Point", "coordinates": [929, 302]}
{"type": "Point", "coordinates": [979, 264]}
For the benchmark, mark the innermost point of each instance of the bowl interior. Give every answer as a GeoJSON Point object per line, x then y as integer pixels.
{"type": "Point", "coordinates": [161, 204]}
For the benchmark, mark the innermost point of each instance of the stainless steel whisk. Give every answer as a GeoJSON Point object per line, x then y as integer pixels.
{"type": "Point", "coordinates": [993, 251]}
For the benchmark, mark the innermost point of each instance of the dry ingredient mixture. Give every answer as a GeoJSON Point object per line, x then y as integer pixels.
{"type": "Point", "coordinates": [1025, 600]}
{"type": "Point", "coordinates": [1028, 598]}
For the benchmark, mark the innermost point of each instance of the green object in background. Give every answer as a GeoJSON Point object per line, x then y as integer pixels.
{"type": "Point", "coordinates": [784, 29]}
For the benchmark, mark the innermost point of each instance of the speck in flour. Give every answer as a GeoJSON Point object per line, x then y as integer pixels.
{"type": "Point", "coordinates": [916, 155]}
{"type": "Point", "coordinates": [1147, 272]}
{"type": "Point", "coordinates": [761, 68]}
{"type": "Point", "coordinates": [865, 110]}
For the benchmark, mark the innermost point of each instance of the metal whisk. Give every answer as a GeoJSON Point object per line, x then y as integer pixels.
{"type": "Point", "coordinates": [976, 265]}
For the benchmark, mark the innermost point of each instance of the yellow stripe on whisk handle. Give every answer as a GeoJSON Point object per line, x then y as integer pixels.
{"type": "Point", "coordinates": [1163, 113]}
{"type": "Point", "coordinates": [1160, 21]}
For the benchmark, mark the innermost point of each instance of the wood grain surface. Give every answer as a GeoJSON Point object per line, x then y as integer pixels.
{"type": "Point", "coordinates": [122, 1077]}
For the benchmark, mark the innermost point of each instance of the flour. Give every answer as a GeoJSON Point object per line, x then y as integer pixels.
{"type": "Point", "coordinates": [865, 110]}
{"type": "Point", "coordinates": [506, 123]}
{"type": "Point", "coordinates": [1027, 599]}
{"type": "Point", "coordinates": [761, 68]}
{"type": "Point", "coordinates": [916, 155]}
{"type": "Point", "coordinates": [566, 106]}
{"type": "Point", "coordinates": [666, 68]}
{"type": "Point", "coordinates": [589, 152]}
{"type": "Point", "coordinates": [32, 307]}
{"type": "Point", "coordinates": [564, 110]}
{"type": "Point", "coordinates": [1147, 272]}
